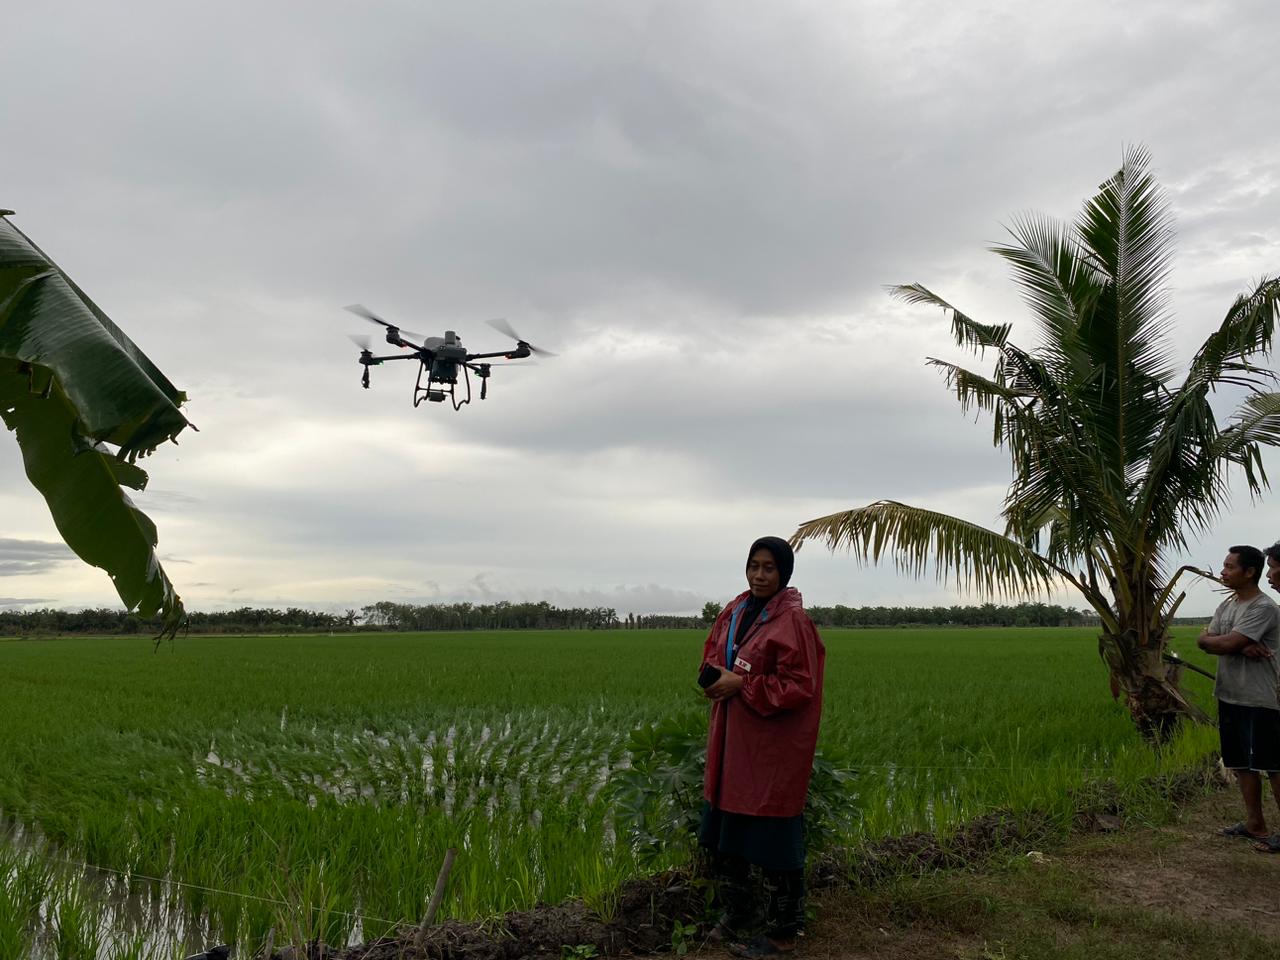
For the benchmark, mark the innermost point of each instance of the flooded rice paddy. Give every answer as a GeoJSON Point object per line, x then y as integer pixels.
{"type": "Point", "coordinates": [246, 789]}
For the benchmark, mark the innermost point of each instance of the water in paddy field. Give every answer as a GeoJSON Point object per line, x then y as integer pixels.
{"type": "Point", "coordinates": [55, 905]}
{"type": "Point", "coordinates": [522, 766]}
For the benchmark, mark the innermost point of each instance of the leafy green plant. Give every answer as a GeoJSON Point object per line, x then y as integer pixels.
{"type": "Point", "coordinates": [681, 935]}
{"type": "Point", "coordinates": [659, 797]}
{"type": "Point", "coordinates": [831, 810]}
{"type": "Point", "coordinates": [72, 386]}
{"type": "Point", "coordinates": [583, 951]}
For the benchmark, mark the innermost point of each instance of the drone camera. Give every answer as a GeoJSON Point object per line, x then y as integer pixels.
{"type": "Point", "coordinates": [436, 396]}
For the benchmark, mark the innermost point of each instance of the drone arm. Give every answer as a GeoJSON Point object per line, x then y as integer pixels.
{"type": "Point", "coordinates": [519, 353]}
{"type": "Point", "coordinates": [394, 356]}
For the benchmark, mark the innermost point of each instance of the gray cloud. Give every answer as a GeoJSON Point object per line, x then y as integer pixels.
{"type": "Point", "coordinates": [23, 557]}
{"type": "Point", "coordinates": [696, 205]}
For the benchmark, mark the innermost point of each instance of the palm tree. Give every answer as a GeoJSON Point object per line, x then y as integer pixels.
{"type": "Point", "coordinates": [72, 388]}
{"type": "Point", "coordinates": [1114, 463]}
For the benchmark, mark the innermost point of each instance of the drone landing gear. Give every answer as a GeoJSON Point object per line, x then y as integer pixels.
{"type": "Point", "coordinates": [440, 389]}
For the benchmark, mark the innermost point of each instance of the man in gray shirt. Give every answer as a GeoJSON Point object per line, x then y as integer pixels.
{"type": "Point", "coordinates": [1245, 636]}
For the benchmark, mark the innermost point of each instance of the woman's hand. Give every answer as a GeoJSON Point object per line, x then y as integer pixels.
{"type": "Point", "coordinates": [727, 686]}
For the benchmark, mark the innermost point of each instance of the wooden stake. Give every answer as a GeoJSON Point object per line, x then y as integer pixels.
{"type": "Point", "coordinates": [437, 896]}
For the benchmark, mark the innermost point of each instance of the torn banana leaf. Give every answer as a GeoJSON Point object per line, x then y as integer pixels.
{"type": "Point", "coordinates": [72, 386]}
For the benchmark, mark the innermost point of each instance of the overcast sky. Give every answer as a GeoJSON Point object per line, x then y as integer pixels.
{"type": "Point", "coordinates": [695, 204]}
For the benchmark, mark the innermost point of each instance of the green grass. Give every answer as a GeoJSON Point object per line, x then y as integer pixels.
{"type": "Point", "coordinates": [327, 775]}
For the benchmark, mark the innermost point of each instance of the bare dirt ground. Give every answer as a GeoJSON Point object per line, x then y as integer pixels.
{"type": "Point", "coordinates": [1168, 891]}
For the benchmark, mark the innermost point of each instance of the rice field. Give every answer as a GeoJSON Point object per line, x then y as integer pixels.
{"type": "Point", "coordinates": [312, 784]}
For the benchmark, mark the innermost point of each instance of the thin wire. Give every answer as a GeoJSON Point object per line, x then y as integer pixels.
{"type": "Point", "coordinates": [195, 886]}
{"type": "Point", "coordinates": [894, 768]}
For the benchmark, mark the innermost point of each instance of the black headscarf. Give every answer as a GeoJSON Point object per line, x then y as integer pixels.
{"type": "Point", "coordinates": [785, 560]}
{"type": "Point", "coordinates": [783, 557]}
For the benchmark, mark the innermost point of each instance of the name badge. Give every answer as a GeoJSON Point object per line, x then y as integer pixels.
{"type": "Point", "coordinates": [739, 662]}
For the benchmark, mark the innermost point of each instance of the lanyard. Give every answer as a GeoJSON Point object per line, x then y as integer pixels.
{"type": "Point", "coordinates": [729, 646]}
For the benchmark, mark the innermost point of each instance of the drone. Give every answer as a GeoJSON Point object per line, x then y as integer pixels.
{"type": "Point", "coordinates": [442, 360]}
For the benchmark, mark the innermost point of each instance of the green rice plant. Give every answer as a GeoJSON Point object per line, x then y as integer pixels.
{"type": "Point", "coordinates": [129, 948]}
{"type": "Point", "coordinates": [27, 885]}
{"type": "Point", "coordinates": [373, 754]}
{"type": "Point", "coordinates": [77, 924]}
{"type": "Point", "coordinates": [17, 913]}
{"type": "Point", "coordinates": [310, 913]}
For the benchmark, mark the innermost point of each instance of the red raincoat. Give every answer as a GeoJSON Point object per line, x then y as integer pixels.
{"type": "Point", "coordinates": [760, 743]}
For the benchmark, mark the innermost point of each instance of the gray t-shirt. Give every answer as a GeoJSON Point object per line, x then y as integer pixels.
{"type": "Point", "coordinates": [1250, 683]}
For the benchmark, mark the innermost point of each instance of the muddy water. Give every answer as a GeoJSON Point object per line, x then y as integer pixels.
{"type": "Point", "coordinates": [501, 761]}
{"type": "Point", "coordinates": [134, 916]}
{"type": "Point", "coordinates": [128, 913]}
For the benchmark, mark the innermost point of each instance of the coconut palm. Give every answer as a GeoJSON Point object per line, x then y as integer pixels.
{"type": "Point", "coordinates": [72, 388]}
{"type": "Point", "coordinates": [1115, 463]}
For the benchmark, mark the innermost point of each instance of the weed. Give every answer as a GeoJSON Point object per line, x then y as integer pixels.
{"type": "Point", "coordinates": [682, 935]}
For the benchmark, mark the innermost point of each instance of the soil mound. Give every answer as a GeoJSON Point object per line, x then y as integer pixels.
{"type": "Point", "coordinates": [646, 914]}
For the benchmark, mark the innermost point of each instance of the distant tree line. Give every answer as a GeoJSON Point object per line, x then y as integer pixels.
{"type": "Point", "coordinates": [387, 615]}
{"type": "Point", "coordinates": [106, 620]}
{"type": "Point", "coordinates": [502, 615]}
{"type": "Point", "coordinates": [986, 615]}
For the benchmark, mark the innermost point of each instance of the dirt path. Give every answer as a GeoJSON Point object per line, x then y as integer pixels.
{"type": "Point", "coordinates": [1169, 891]}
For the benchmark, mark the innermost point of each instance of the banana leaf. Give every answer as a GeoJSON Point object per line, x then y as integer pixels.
{"type": "Point", "coordinates": [73, 386]}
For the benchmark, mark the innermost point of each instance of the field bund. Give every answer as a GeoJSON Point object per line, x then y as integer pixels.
{"type": "Point", "coordinates": [330, 773]}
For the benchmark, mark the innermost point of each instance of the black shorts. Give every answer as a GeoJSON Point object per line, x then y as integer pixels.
{"type": "Point", "coordinates": [1250, 737]}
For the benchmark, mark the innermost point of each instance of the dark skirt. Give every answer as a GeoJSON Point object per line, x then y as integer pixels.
{"type": "Point", "coordinates": [775, 843]}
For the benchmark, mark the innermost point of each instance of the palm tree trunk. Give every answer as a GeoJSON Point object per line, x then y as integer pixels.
{"type": "Point", "coordinates": [1150, 686]}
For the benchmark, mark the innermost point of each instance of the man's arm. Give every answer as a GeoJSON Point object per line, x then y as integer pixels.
{"type": "Point", "coordinates": [1233, 642]}
{"type": "Point", "coordinates": [1257, 621]}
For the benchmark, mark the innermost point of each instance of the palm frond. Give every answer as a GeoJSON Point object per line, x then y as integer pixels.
{"type": "Point", "coordinates": [1257, 421]}
{"type": "Point", "coordinates": [977, 558]}
{"type": "Point", "coordinates": [1042, 438]}
{"type": "Point", "coordinates": [1162, 608]}
{"type": "Point", "coordinates": [1255, 425]}
{"type": "Point", "coordinates": [1128, 229]}
{"type": "Point", "coordinates": [967, 331]}
{"type": "Point", "coordinates": [1183, 481]}
{"type": "Point", "coordinates": [1058, 283]}
{"type": "Point", "coordinates": [975, 390]}
{"type": "Point", "coordinates": [1246, 331]}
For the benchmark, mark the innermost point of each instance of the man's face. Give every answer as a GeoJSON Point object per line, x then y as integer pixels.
{"type": "Point", "coordinates": [1273, 573]}
{"type": "Point", "coordinates": [762, 574]}
{"type": "Point", "coordinates": [1234, 576]}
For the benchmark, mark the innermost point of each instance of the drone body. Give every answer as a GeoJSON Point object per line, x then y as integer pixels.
{"type": "Point", "coordinates": [442, 359]}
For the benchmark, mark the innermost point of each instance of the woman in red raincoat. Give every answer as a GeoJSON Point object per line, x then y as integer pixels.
{"type": "Point", "coordinates": [763, 662]}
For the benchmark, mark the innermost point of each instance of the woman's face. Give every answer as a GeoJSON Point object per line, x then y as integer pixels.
{"type": "Point", "coordinates": [762, 574]}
